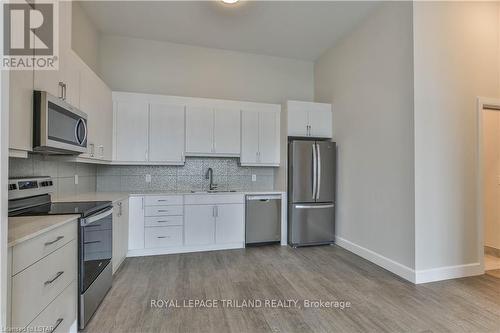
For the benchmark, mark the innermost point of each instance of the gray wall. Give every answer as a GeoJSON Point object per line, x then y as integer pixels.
{"type": "Point", "coordinates": [368, 77]}
{"type": "Point", "coordinates": [227, 174]}
{"type": "Point", "coordinates": [84, 37]}
{"type": "Point", "coordinates": [63, 173]}
{"type": "Point", "coordinates": [456, 60]}
{"type": "Point", "coordinates": [144, 66]}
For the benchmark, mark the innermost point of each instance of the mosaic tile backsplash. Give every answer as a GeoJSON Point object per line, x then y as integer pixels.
{"type": "Point", "coordinates": [63, 173]}
{"type": "Point", "coordinates": [227, 174]}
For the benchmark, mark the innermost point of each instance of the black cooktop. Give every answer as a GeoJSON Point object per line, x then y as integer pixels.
{"type": "Point", "coordinates": [83, 208]}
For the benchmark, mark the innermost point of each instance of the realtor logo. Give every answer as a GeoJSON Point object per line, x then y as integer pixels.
{"type": "Point", "coordinates": [30, 39]}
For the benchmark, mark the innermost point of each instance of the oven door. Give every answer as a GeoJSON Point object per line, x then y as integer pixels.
{"type": "Point", "coordinates": [58, 127]}
{"type": "Point", "coordinates": [95, 246]}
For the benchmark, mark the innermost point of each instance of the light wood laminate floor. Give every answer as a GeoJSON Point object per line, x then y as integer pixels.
{"type": "Point", "coordinates": [381, 301]}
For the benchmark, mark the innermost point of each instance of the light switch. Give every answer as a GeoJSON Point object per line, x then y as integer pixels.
{"type": "Point", "coordinates": [254, 178]}
{"type": "Point", "coordinates": [148, 178]}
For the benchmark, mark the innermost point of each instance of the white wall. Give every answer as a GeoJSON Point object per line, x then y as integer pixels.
{"type": "Point", "coordinates": [491, 172]}
{"type": "Point", "coordinates": [455, 60]}
{"type": "Point", "coordinates": [84, 37]}
{"type": "Point", "coordinates": [368, 77]}
{"type": "Point", "coordinates": [145, 66]}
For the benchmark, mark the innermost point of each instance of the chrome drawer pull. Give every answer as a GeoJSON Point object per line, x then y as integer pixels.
{"type": "Point", "coordinates": [161, 200]}
{"type": "Point", "coordinates": [163, 237]}
{"type": "Point", "coordinates": [91, 242]}
{"type": "Point", "coordinates": [164, 221]}
{"type": "Point", "coordinates": [46, 283]}
{"type": "Point", "coordinates": [58, 322]}
{"type": "Point", "coordinates": [54, 241]}
{"type": "Point", "coordinates": [162, 210]}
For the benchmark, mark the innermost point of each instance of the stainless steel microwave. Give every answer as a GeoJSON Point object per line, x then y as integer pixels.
{"type": "Point", "coordinates": [58, 127]}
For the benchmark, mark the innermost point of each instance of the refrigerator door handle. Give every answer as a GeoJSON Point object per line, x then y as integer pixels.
{"type": "Point", "coordinates": [314, 173]}
{"type": "Point", "coordinates": [314, 206]}
{"type": "Point", "coordinates": [318, 186]}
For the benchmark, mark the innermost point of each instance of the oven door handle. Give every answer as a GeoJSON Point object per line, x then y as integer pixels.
{"type": "Point", "coordinates": [98, 217]}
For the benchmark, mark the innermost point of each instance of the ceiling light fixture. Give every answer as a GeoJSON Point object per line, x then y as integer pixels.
{"type": "Point", "coordinates": [230, 1]}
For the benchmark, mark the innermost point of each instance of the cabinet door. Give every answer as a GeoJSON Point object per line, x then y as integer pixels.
{"type": "Point", "coordinates": [117, 241]}
{"type": "Point", "coordinates": [249, 137]}
{"type": "Point", "coordinates": [69, 68]}
{"type": "Point", "coordinates": [320, 120]}
{"type": "Point", "coordinates": [132, 131]}
{"type": "Point", "coordinates": [227, 132]}
{"type": "Point", "coordinates": [166, 140]}
{"type": "Point", "coordinates": [136, 223]}
{"type": "Point", "coordinates": [21, 110]}
{"type": "Point", "coordinates": [199, 225]}
{"type": "Point", "coordinates": [297, 120]}
{"type": "Point", "coordinates": [230, 224]}
{"type": "Point", "coordinates": [106, 113]}
{"type": "Point", "coordinates": [124, 221]}
{"type": "Point", "coordinates": [269, 138]}
{"type": "Point", "coordinates": [90, 104]}
{"type": "Point", "coordinates": [199, 130]}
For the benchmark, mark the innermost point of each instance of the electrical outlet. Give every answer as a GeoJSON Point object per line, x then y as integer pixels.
{"type": "Point", "coordinates": [254, 178]}
{"type": "Point", "coordinates": [148, 178]}
{"type": "Point", "coordinates": [76, 179]}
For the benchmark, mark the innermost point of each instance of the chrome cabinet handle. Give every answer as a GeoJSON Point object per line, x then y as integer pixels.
{"type": "Point", "coordinates": [46, 283]}
{"type": "Point", "coordinates": [161, 237]}
{"type": "Point", "coordinates": [162, 221]}
{"type": "Point", "coordinates": [91, 242]}
{"type": "Point", "coordinates": [61, 89]}
{"type": "Point", "coordinates": [56, 325]}
{"type": "Point", "coordinates": [162, 210]}
{"type": "Point", "coordinates": [161, 200]}
{"type": "Point", "coordinates": [213, 211]}
{"type": "Point", "coordinates": [92, 149]}
{"type": "Point", "coordinates": [119, 209]}
{"type": "Point", "coordinates": [54, 241]}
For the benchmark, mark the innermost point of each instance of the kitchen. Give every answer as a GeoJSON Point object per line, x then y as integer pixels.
{"type": "Point", "coordinates": [198, 160]}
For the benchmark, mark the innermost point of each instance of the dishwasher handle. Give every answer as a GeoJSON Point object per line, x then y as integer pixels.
{"type": "Point", "coordinates": [263, 198]}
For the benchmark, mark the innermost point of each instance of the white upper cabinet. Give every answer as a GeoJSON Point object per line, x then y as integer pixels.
{"type": "Point", "coordinates": [199, 130]}
{"type": "Point", "coordinates": [131, 130]}
{"type": "Point", "coordinates": [212, 131]}
{"type": "Point", "coordinates": [309, 119]}
{"type": "Point", "coordinates": [96, 102]}
{"type": "Point", "coordinates": [260, 138]}
{"type": "Point", "coordinates": [227, 131]}
{"type": "Point", "coordinates": [166, 136]}
{"type": "Point", "coordinates": [21, 110]}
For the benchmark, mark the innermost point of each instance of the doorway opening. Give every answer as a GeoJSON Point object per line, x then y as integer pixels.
{"type": "Point", "coordinates": [489, 186]}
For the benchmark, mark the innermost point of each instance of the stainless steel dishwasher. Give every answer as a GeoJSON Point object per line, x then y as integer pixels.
{"type": "Point", "coordinates": [263, 219]}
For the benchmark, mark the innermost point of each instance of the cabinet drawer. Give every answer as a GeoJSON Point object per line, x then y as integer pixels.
{"type": "Point", "coordinates": [163, 221]}
{"type": "Point", "coordinates": [157, 237]}
{"type": "Point", "coordinates": [214, 199]}
{"type": "Point", "coordinates": [61, 312]}
{"type": "Point", "coordinates": [29, 252]}
{"type": "Point", "coordinates": [38, 285]}
{"type": "Point", "coordinates": [164, 210]}
{"type": "Point", "coordinates": [163, 200]}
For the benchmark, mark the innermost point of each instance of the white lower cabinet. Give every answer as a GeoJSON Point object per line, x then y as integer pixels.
{"type": "Point", "coordinates": [230, 224]}
{"type": "Point", "coordinates": [200, 225]}
{"type": "Point", "coordinates": [184, 223]}
{"type": "Point", "coordinates": [158, 237]}
{"type": "Point", "coordinates": [120, 233]}
{"type": "Point", "coordinates": [44, 293]}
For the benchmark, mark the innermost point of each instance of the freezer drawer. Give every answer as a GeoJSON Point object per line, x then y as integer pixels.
{"type": "Point", "coordinates": [311, 224]}
{"type": "Point", "coordinates": [263, 219]}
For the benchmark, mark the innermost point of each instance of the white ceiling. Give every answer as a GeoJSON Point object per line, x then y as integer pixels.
{"type": "Point", "coordinates": [300, 30]}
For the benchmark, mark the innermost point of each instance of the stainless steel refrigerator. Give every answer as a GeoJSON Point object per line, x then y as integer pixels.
{"type": "Point", "coordinates": [311, 192]}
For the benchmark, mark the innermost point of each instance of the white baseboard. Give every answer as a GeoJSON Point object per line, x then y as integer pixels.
{"type": "Point", "coordinates": [401, 270]}
{"type": "Point", "coordinates": [407, 273]}
{"type": "Point", "coordinates": [448, 272]}
{"type": "Point", "coordinates": [183, 249]}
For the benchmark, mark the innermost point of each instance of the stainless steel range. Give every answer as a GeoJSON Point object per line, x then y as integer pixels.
{"type": "Point", "coordinates": [32, 197]}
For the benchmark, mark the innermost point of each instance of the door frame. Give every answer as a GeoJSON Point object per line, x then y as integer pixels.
{"type": "Point", "coordinates": [483, 103]}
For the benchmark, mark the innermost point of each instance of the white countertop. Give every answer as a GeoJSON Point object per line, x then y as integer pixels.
{"type": "Point", "coordinates": [118, 196]}
{"type": "Point", "coordinates": [24, 228]}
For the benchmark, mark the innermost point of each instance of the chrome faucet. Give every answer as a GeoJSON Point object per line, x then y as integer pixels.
{"type": "Point", "coordinates": [210, 175]}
